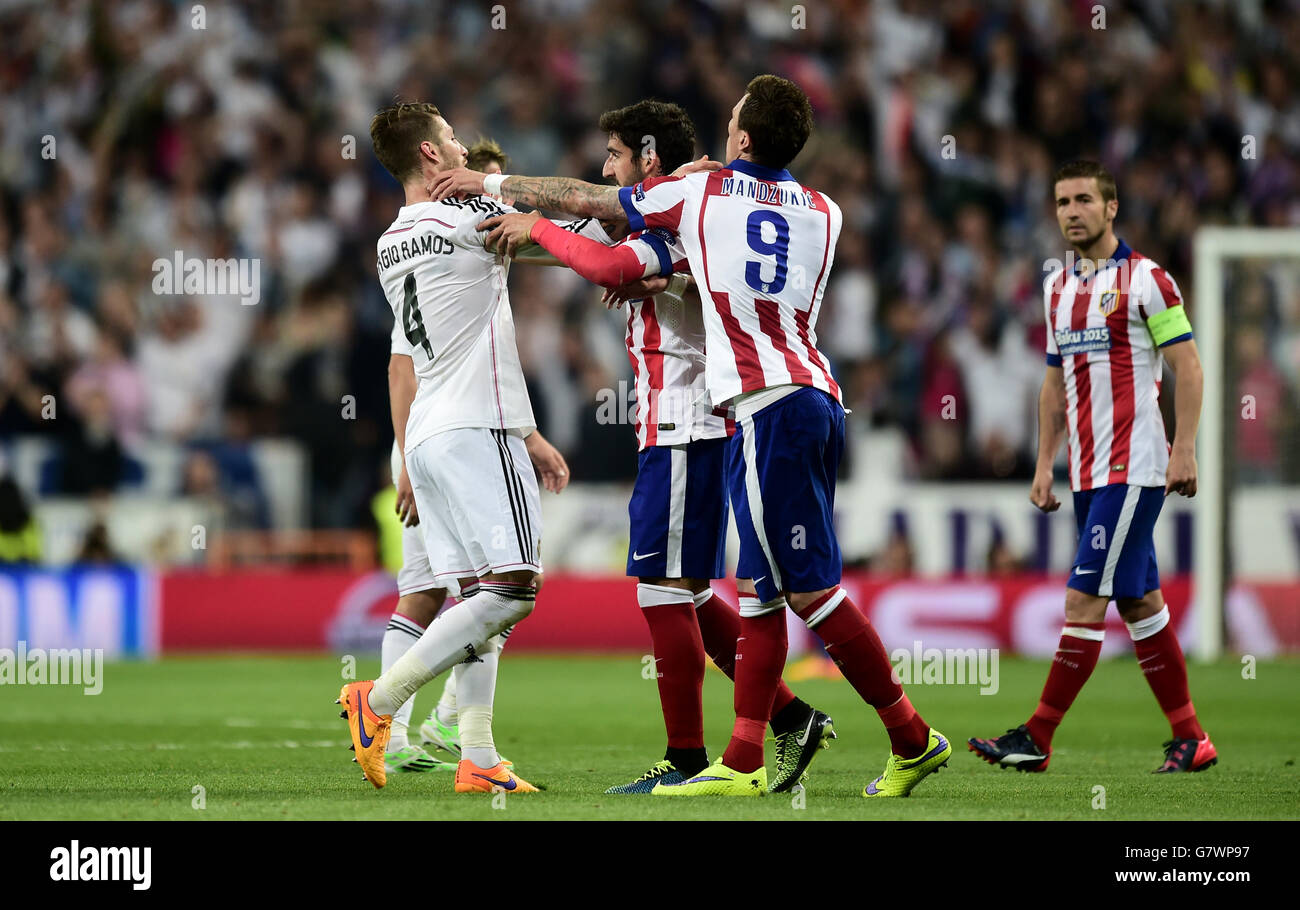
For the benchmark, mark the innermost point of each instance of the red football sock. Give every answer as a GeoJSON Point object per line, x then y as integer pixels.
{"type": "Point", "coordinates": [720, 627]}
{"type": "Point", "coordinates": [1076, 658]}
{"type": "Point", "coordinates": [760, 658]}
{"type": "Point", "coordinates": [853, 644]}
{"type": "Point", "coordinates": [1161, 659]}
{"type": "Point", "coordinates": [679, 660]}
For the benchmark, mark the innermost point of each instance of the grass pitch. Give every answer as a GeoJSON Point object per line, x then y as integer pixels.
{"type": "Point", "coordinates": [261, 736]}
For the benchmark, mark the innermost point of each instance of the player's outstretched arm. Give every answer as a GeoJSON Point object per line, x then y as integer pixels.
{"type": "Point", "coordinates": [561, 194]}
{"type": "Point", "coordinates": [565, 194]}
{"type": "Point", "coordinates": [1185, 361]}
{"type": "Point", "coordinates": [532, 253]}
{"type": "Point", "coordinates": [401, 393]}
{"type": "Point", "coordinates": [1051, 432]}
{"type": "Point", "coordinates": [609, 266]}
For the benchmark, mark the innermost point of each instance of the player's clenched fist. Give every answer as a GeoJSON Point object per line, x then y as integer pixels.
{"type": "Point", "coordinates": [1040, 494]}
{"type": "Point", "coordinates": [457, 180]}
{"type": "Point", "coordinates": [1180, 477]}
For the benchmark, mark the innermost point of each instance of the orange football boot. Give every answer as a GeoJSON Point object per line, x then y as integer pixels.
{"type": "Point", "coordinates": [369, 746]}
{"type": "Point", "coordinates": [470, 778]}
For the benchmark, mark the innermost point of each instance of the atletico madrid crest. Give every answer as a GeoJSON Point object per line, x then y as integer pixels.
{"type": "Point", "coordinates": [1109, 302]}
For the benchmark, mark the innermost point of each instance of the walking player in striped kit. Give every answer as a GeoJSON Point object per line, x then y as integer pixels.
{"type": "Point", "coordinates": [1111, 314]}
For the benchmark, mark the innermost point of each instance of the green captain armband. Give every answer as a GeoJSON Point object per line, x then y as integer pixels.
{"type": "Point", "coordinates": [1169, 325]}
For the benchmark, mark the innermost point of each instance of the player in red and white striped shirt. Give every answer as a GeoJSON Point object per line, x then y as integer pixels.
{"type": "Point", "coordinates": [1111, 314]}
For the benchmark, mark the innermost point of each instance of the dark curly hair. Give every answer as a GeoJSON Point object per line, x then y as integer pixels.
{"type": "Point", "coordinates": [667, 126]}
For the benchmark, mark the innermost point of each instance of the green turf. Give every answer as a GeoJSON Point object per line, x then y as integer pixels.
{"type": "Point", "coordinates": [262, 736]}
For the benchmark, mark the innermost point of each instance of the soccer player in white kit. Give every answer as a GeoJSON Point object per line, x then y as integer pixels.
{"type": "Point", "coordinates": [1111, 315]}
{"type": "Point", "coordinates": [474, 487]}
{"type": "Point", "coordinates": [420, 594]}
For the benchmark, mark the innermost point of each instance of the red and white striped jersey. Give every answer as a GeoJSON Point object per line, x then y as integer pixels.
{"type": "Point", "coordinates": [665, 345]}
{"type": "Point", "coordinates": [760, 246]}
{"type": "Point", "coordinates": [1105, 332]}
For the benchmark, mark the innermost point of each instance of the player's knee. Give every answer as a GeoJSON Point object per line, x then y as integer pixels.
{"type": "Point", "coordinates": [422, 606]}
{"type": "Point", "coordinates": [468, 586]}
{"type": "Point", "coordinates": [521, 609]}
{"type": "Point", "coordinates": [507, 602]}
{"type": "Point", "coordinates": [682, 584]}
{"type": "Point", "coordinates": [799, 601]}
{"type": "Point", "coordinates": [519, 577]}
{"type": "Point", "coordinates": [1083, 607]}
{"type": "Point", "coordinates": [1136, 609]}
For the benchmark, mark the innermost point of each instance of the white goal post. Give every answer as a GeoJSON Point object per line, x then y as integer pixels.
{"type": "Point", "coordinates": [1212, 246]}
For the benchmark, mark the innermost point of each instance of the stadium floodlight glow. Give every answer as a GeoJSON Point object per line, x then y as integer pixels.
{"type": "Point", "coordinates": [1212, 245]}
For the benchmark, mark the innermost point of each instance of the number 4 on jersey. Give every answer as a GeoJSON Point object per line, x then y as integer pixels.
{"type": "Point", "coordinates": [412, 322]}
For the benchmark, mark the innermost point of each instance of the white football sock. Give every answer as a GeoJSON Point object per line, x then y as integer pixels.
{"type": "Point", "coordinates": [476, 684]}
{"type": "Point", "coordinates": [402, 632]}
{"type": "Point", "coordinates": [476, 737]}
{"type": "Point", "coordinates": [454, 635]}
{"type": "Point", "coordinates": [446, 709]}
{"type": "Point", "coordinates": [1145, 628]}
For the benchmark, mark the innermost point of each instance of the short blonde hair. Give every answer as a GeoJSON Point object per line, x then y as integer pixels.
{"type": "Point", "coordinates": [483, 153]}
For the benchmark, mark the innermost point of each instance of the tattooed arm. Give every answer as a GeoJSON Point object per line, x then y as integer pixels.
{"type": "Point", "coordinates": [560, 194]}
{"type": "Point", "coordinates": [566, 194]}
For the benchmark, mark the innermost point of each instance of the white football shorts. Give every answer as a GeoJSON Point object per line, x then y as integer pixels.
{"type": "Point", "coordinates": [416, 574]}
{"type": "Point", "coordinates": [480, 509]}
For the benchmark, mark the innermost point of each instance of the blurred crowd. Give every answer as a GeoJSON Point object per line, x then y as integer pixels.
{"type": "Point", "coordinates": [134, 129]}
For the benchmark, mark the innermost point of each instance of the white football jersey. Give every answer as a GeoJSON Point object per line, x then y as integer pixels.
{"type": "Point", "coordinates": [760, 246]}
{"type": "Point", "coordinates": [451, 306]}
